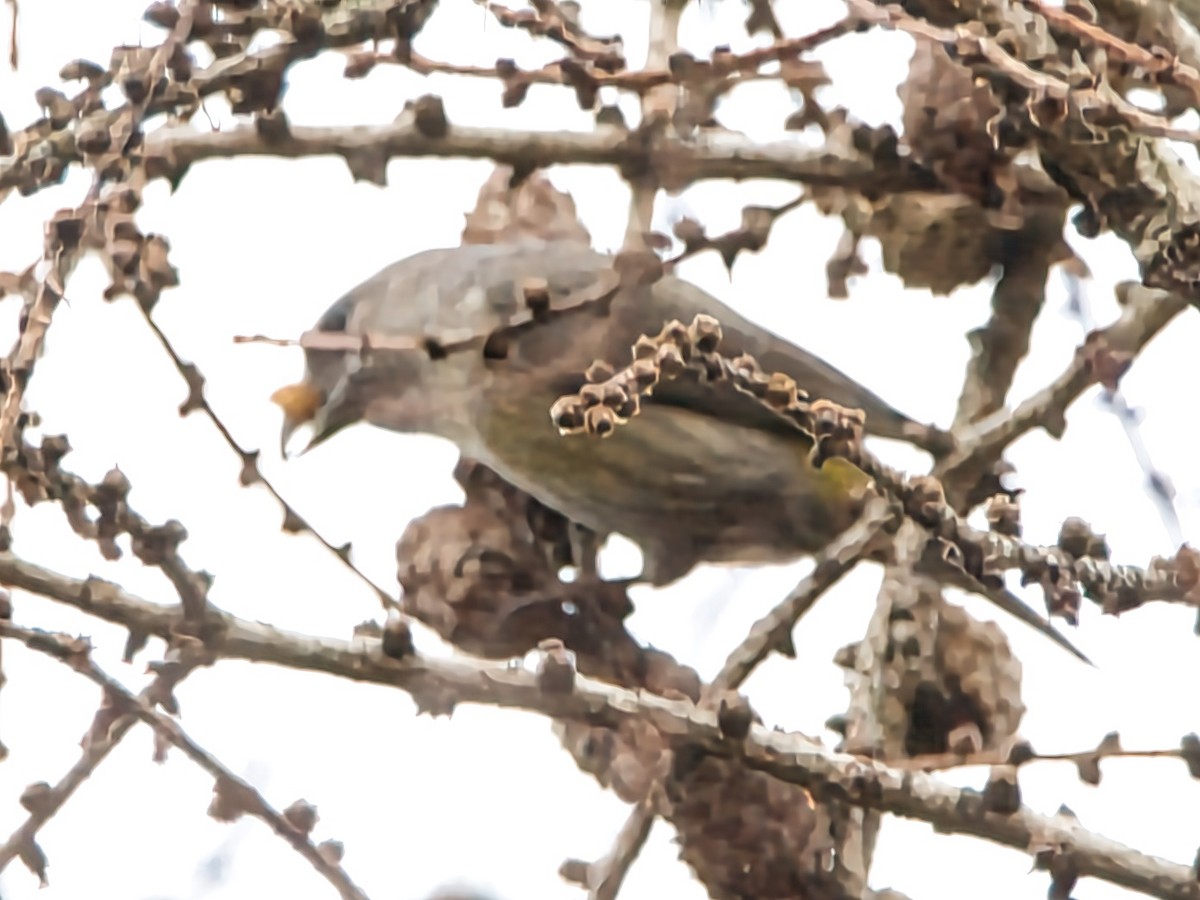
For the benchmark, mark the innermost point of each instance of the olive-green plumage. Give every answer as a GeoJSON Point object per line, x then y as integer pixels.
{"type": "Point", "coordinates": [702, 474]}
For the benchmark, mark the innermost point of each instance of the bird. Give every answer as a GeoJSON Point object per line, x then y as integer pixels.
{"type": "Point", "coordinates": [700, 475]}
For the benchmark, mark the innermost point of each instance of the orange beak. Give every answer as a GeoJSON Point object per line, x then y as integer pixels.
{"type": "Point", "coordinates": [299, 403]}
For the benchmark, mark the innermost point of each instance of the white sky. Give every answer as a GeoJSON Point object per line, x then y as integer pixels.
{"type": "Point", "coordinates": [489, 797]}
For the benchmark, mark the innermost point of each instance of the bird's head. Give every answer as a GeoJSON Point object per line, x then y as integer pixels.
{"type": "Point", "coordinates": [341, 388]}
{"type": "Point", "coordinates": [326, 411]}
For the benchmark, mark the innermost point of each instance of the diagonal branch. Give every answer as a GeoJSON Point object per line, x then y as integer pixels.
{"type": "Point", "coordinates": [999, 346]}
{"type": "Point", "coordinates": [774, 629]}
{"type": "Point", "coordinates": [251, 474]}
{"type": "Point", "coordinates": [771, 632]}
{"type": "Point", "coordinates": [76, 653]}
{"type": "Point", "coordinates": [1144, 313]}
{"type": "Point", "coordinates": [97, 745]}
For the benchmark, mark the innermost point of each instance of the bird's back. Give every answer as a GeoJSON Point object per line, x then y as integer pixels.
{"type": "Point", "coordinates": [450, 294]}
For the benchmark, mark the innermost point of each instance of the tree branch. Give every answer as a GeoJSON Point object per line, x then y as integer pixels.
{"type": "Point", "coordinates": [174, 147]}
{"type": "Point", "coordinates": [1091, 140]}
{"type": "Point", "coordinates": [235, 795]}
{"type": "Point", "coordinates": [440, 684]}
{"type": "Point", "coordinates": [999, 346]}
{"type": "Point", "coordinates": [97, 745]}
{"type": "Point", "coordinates": [1144, 313]}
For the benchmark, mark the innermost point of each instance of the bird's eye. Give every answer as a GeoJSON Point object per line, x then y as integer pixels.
{"type": "Point", "coordinates": [334, 320]}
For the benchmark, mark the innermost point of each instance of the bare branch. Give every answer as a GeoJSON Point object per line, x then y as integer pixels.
{"type": "Point", "coordinates": [605, 876]}
{"type": "Point", "coordinates": [1144, 313]}
{"type": "Point", "coordinates": [251, 474]}
{"type": "Point", "coordinates": [234, 793]}
{"type": "Point", "coordinates": [790, 757]}
{"type": "Point", "coordinates": [678, 162]}
{"type": "Point", "coordinates": [97, 745]}
{"type": "Point", "coordinates": [773, 630]}
{"type": "Point", "coordinates": [999, 346]}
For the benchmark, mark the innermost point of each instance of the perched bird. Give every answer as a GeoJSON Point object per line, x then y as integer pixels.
{"type": "Point", "coordinates": [699, 475]}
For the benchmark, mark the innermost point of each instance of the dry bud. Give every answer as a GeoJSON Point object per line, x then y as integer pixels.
{"type": "Point", "coordinates": [600, 421]}
{"type": "Point", "coordinates": [397, 639]}
{"type": "Point", "coordinates": [1004, 514]}
{"type": "Point", "coordinates": [1002, 793]}
{"type": "Point", "coordinates": [734, 716]}
{"type": "Point", "coordinates": [537, 296]}
{"type": "Point", "coordinates": [599, 371]}
{"type": "Point", "coordinates": [302, 816]}
{"type": "Point", "coordinates": [556, 670]}
{"type": "Point", "coordinates": [645, 348]}
{"type": "Point", "coordinates": [567, 415]}
{"type": "Point", "coordinates": [670, 360]}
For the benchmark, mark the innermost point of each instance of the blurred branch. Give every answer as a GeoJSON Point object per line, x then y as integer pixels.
{"type": "Point", "coordinates": [1189, 10]}
{"type": "Point", "coordinates": [179, 662]}
{"type": "Point", "coordinates": [1144, 313]}
{"type": "Point", "coordinates": [1086, 761]}
{"type": "Point", "coordinates": [773, 631]}
{"type": "Point", "coordinates": [1153, 23]}
{"type": "Point", "coordinates": [41, 292]}
{"type": "Point", "coordinates": [442, 683]}
{"type": "Point", "coordinates": [999, 346]}
{"type": "Point", "coordinates": [1157, 483]}
{"type": "Point", "coordinates": [1156, 63]}
{"type": "Point", "coordinates": [604, 877]}
{"type": "Point", "coordinates": [552, 20]}
{"type": "Point", "coordinates": [13, 51]}
{"type": "Point", "coordinates": [233, 796]}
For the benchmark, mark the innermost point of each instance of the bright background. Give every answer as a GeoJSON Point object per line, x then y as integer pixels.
{"type": "Point", "coordinates": [488, 798]}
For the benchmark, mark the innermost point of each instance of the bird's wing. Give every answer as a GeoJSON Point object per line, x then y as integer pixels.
{"type": "Point", "coordinates": [675, 298]}
{"type": "Point", "coordinates": [452, 294]}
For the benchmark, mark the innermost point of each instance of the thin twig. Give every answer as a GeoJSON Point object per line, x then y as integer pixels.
{"type": "Point", "coordinates": [774, 629]}
{"type": "Point", "coordinates": [14, 54]}
{"type": "Point", "coordinates": [941, 762]}
{"type": "Point", "coordinates": [250, 471]}
{"type": "Point", "coordinates": [96, 749]}
{"type": "Point", "coordinates": [1156, 481]}
{"type": "Point", "coordinates": [76, 653]}
{"type": "Point", "coordinates": [1145, 312]}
